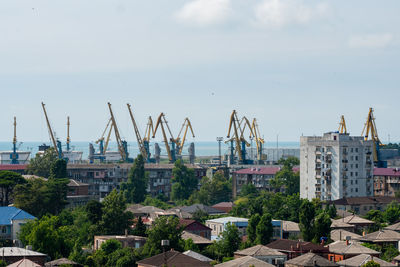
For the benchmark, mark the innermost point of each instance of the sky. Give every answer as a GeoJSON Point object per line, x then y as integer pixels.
{"type": "Point", "coordinates": [295, 65]}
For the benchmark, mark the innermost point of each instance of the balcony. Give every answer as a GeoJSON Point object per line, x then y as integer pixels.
{"type": "Point", "coordinates": [318, 160]}
{"type": "Point", "coordinates": [318, 167]}
{"type": "Point", "coordinates": [344, 152]}
{"type": "Point", "coordinates": [345, 161]}
{"type": "Point", "coordinates": [317, 152]}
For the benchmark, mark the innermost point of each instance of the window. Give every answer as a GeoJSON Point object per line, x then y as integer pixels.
{"type": "Point", "coordinates": [356, 165]}
{"type": "Point", "coordinates": [356, 157]}
{"type": "Point", "coordinates": [356, 189]}
{"type": "Point", "coordinates": [356, 149]}
{"type": "Point", "coordinates": [351, 182]}
{"type": "Point", "coordinates": [356, 174]}
{"type": "Point", "coordinates": [4, 229]}
{"type": "Point", "coordinates": [356, 181]}
{"type": "Point", "coordinates": [351, 174]}
{"type": "Point", "coordinates": [351, 150]}
{"type": "Point", "coordinates": [351, 190]}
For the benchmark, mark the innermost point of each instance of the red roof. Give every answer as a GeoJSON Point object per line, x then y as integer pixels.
{"type": "Point", "coordinates": [192, 225]}
{"type": "Point", "coordinates": [13, 167]}
{"type": "Point", "coordinates": [263, 170]}
{"type": "Point", "coordinates": [387, 172]}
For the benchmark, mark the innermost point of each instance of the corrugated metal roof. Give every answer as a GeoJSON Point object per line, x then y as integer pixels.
{"type": "Point", "coordinates": [12, 167]}
{"type": "Point", "coordinates": [387, 172]}
{"type": "Point", "coordinates": [7, 214]}
{"type": "Point", "coordinates": [18, 252]}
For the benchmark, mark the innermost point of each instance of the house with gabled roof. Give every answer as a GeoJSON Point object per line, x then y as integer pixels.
{"type": "Point", "coordinates": [360, 260]}
{"type": "Point", "coordinates": [11, 220]}
{"type": "Point", "coordinates": [309, 260]}
{"type": "Point", "coordinates": [172, 258]}
{"type": "Point", "coordinates": [341, 250]}
{"type": "Point", "coordinates": [382, 237]}
{"type": "Point", "coordinates": [263, 253]}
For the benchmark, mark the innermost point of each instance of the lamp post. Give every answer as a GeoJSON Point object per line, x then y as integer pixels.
{"type": "Point", "coordinates": [220, 139]}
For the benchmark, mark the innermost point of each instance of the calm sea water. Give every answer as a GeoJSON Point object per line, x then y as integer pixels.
{"type": "Point", "coordinates": [202, 148]}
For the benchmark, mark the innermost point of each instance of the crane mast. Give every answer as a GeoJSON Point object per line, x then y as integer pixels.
{"type": "Point", "coordinates": [234, 123]}
{"type": "Point", "coordinates": [68, 137]}
{"type": "Point", "coordinates": [259, 141]}
{"type": "Point", "coordinates": [142, 148]}
{"type": "Point", "coordinates": [342, 125]}
{"type": "Point", "coordinates": [56, 143]}
{"type": "Point", "coordinates": [160, 122]}
{"type": "Point", "coordinates": [122, 147]}
{"type": "Point", "coordinates": [180, 143]}
{"type": "Point", "coordinates": [14, 154]}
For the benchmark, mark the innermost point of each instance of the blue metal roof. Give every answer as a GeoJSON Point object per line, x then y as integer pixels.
{"type": "Point", "coordinates": [7, 214]}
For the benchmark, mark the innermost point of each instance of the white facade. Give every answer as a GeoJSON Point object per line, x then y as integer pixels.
{"type": "Point", "coordinates": [23, 157]}
{"type": "Point", "coordinates": [335, 166]}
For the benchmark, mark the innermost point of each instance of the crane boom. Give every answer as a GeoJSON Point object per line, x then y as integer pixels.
{"type": "Point", "coordinates": [180, 143]}
{"type": "Point", "coordinates": [68, 137]}
{"type": "Point", "coordinates": [149, 130]}
{"type": "Point", "coordinates": [53, 139]}
{"type": "Point", "coordinates": [160, 122]}
{"type": "Point", "coordinates": [138, 137]}
{"type": "Point", "coordinates": [342, 125]}
{"type": "Point", "coordinates": [117, 135]}
{"type": "Point", "coordinates": [259, 141]}
{"type": "Point", "coordinates": [370, 132]}
{"type": "Point", "coordinates": [234, 122]}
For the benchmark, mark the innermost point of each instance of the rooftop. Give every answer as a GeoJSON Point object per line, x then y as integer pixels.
{"type": "Point", "coordinates": [362, 259]}
{"type": "Point", "coordinates": [288, 226]}
{"type": "Point", "coordinates": [228, 220]}
{"type": "Point", "coordinates": [340, 235]}
{"type": "Point", "coordinates": [393, 227]}
{"type": "Point", "coordinates": [8, 214]}
{"type": "Point", "coordinates": [353, 219]}
{"type": "Point", "coordinates": [263, 170]}
{"type": "Point", "coordinates": [311, 259]}
{"type": "Point", "coordinates": [245, 262]}
{"type": "Point", "coordinates": [364, 200]}
{"type": "Point", "coordinates": [293, 245]}
{"type": "Point", "coordinates": [174, 258]}
{"type": "Point", "coordinates": [19, 252]}
{"type": "Point", "coordinates": [199, 240]}
{"type": "Point", "coordinates": [387, 172]}
{"type": "Point", "coordinates": [352, 248]}
{"type": "Point", "coordinates": [24, 263]}
{"type": "Point", "coordinates": [209, 210]}
{"type": "Point", "coordinates": [382, 236]}
{"type": "Point", "coordinates": [197, 256]}
{"type": "Point", "coordinates": [13, 167]}
{"type": "Point", "coordinates": [259, 250]}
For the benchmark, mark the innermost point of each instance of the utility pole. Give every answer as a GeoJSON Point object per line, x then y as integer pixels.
{"type": "Point", "coordinates": [220, 139]}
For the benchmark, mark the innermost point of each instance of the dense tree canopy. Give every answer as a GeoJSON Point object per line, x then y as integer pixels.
{"type": "Point", "coordinates": [306, 216]}
{"type": "Point", "coordinates": [135, 188]}
{"type": "Point", "coordinates": [264, 230]}
{"type": "Point", "coordinates": [214, 190]}
{"type": "Point", "coordinates": [8, 180]}
{"type": "Point", "coordinates": [58, 169]}
{"type": "Point", "coordinates": [184, 182]}
{"type": "Point", "coordinates": [41, 165]}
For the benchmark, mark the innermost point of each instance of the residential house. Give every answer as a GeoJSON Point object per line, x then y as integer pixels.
{"type": "Point", "coordinates": [396, 261]}
{"type": "Point", "coordinates": [290, 230]}
{"type": "Point", "coordinates": [78, 194]}
{"type": "Point", "coordinates": [197, 256]}
{"type": "Point", "coordinates": [203, 208]}
{"type": "Point", "coordinates": [62, 262]}
{"type": "Point", "coordinates": [343, 235]}
{"type": "Point", "coordinates": [295, 248]}
{"type": "Point", "coordinates": [172, 258]}
{"type": "Point", "coordinates": [11, 220]}
{"type": "Point", "coordinates": [224, 206]}
{"type": "Point", "coordinates": [263, 253]}
{"type": "Point", "coordinates": [218, 225]}
{"type": "Point", "coordinates": [130, 241]}
{"type": "Point", "coordinates": [196, 228]}
{"type": "Point", "coordinates": [200, 241]}
{"type": "Point", "coordinates": [361, 205]}
{"type": "Point", "coordinates": [360, 260]}
{"type": "Point", "coordinates": [24, 263]}
{"type": "Point", "coordinates": [342, 250]}
{"type": "Point", "coordinates": [358, 222]}
{"type": "Point", "coordinates": [382, 237]}
{"type": "Point", "coordinates": [309, 260]}
{"type": "Point", "coordinates": [339, 224]}
{"type": "Point", "coordinates": [386, 181]}
{"type": "Point", "coordinates": [13, 254]}
{"type": "Point", "coordinates": [245, 261]}
{"type": "Point", "coordinates": [394, 227]}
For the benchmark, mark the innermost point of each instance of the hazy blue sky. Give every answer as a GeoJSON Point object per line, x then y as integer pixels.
{"type": "Point", "coordinates": [294, 65]}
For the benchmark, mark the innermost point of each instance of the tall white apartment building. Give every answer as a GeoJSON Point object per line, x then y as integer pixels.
{"type": "Point", "coordinates": [335, 165]}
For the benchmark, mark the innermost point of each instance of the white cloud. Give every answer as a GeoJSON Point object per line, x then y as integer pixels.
{"type": "Point", "coordinates": [279, 13]}
{"type": "Point", "coordinates": [371, 40]}
{"type": "Point", "coordinates": [205, 12]}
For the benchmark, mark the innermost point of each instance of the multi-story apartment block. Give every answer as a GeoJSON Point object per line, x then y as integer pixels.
{"type": "Point", "coordinates": [103, 178]}
{"type": "Point", "coordinates": [386, 181]}
{"type": "Point", "coordinates": [335, 166]}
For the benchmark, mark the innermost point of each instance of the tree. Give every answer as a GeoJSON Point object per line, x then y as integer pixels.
{"type": "Point", "coordinates": [114, 220]}
{"type": "Point", "coordinates": [377, 217]}
{"type": "Point", "coordinates": [249, 190]}
{"type": "Point", "coordinates": [58, 169]}
{"type": "Point", "coordinates": [251, 228]}
{"type": "Point", "coordinates": [331, 210]}
{"type": "Point", "coordinates": [42, 163]}
{"type": "Point", "coordinates": [8, 180]}
{"type": "Point", "coordinates": [184, 182]}
{"type": "Point", "coordinates": [111, 253]}
{"type": "Point", "coordinates": [215, 190]}
{"type": "Point", "coordinates": [39, 197]}
{"type": "Point", "coordinates": [389, 252]}
{"type": "Point", "coordinates": [306, 217]}
{"type": "Point", "coordinates": [392, 212]}
{"type": "Point", "coordinates": [264, 230]}
{"type": "Point", "coordinates": [287, 177]}
{"type": "Point", "coordinates": [371, 264]}
{"type": "Point", "coordinates": [135, 188]}
{"type": "Point", "coordinates": [140, 228]}
{"type": "Point", "coordinates": [230, 240]}
{"type": "Point", "coordinates": [164, 228]}
{"type": "Point", "coordinates": [94, 210]}
{"type": "Point", "coordinates": [322, 226]}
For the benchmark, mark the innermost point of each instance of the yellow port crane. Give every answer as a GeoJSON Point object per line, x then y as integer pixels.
{"type": "Point", "coordinates": [103, 147]}
{"type": "Point", "coordinates": [234, 124]}
{"type": "Point", "coordinates": [56, 143]}
{"type": "Point", "coordinates": [370, 133]}
{"type": "Point", "coordinates": [181, 142]}
{"type": "Point", "coordinates": [68, 137]}
{"type": "Point", "coordinates": [259, 141]}
{"type": "Point", "coordinates": [342, 125]}
{"type": "Point", "coordinates": [160, 122]}
{"type": "Point", "coordinates": [145, 154]}
{"type": "Point", "coordinates": [122, 145]}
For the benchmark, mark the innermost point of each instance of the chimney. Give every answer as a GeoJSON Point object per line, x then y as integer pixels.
{"type": "Point", "coordinates": [126, 232]}
{"type": "Point", "coordinates": [347, 242]}
{"type": "Point", "coordinates": [322, 242]}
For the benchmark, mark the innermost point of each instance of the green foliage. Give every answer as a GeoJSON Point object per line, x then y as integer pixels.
{"type": "Point", "coordinates": [42, 164]}
{"type": "Point", "coordinates": [140, 228]}
{"type": "Point", "coordinates": [306, 216]}
{"type": "Point", "coordinates": [264, 230]}
{"type": "Point", "coordinates": [251, 228]}
{"type": "Point", "coordinates": [377, 217]}
{"type": "Point", "coordinates": [230, 241]}
{"type": "Point", "coordinates": [164, 228]}
{"type": "Point", "coordinates": [184, 182]}
{"type": "Point", "coordinates": [94, 210]}
{"type": "Point", "coordinates": [371, 264]}
{"type": "Point", "coordinates": [286, 177]}
{"type": "Point", "coordinates": [389, 253]}
{"type": "Point", "coordinates": [58, 169]}
{"type": "Point", "coordinates": [190, 245]}
{"type": "Point", "coordinates": [8, 180]}
{"type": "Point", "coordinates": [135, 188]}
{"type": "Point", "coordinates": [249, 190]}
{"type": "Point", "coordinates": [392, 212]}
{"type": "Point", "coordinates": [322, 226]}
{"type": "Point", "coordinates": [39, 197]}
{"type": "Point", "coordinates": [149, 201]}
{"type": "Point", "coordinates": [112, 254]}
{"type": "Point", "coordinates": [331, 210]}
{"type": "Point", "coordinates": [200, 215]}
{"type": "Point", "coordinates": [114, 219]}
{"type": "Point", "coordinates": [215, 190]}
{"type": "Point", "coordinates": [3, 263]}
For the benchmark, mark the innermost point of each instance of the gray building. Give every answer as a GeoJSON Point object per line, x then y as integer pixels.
{"type": "Point", "coordinates": [334, 166]}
